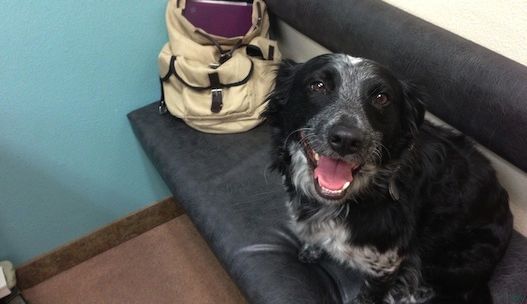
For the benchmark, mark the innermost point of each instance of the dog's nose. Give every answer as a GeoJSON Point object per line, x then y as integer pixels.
{"type": "Point", "coordinates": [345, 140]}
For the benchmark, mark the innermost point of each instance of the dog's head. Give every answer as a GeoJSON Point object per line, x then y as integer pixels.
{"type": "Point", "coordinates": [337, 119]}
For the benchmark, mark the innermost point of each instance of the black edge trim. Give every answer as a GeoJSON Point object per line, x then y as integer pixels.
{"type": "Point", "coordinates": [171, 69]}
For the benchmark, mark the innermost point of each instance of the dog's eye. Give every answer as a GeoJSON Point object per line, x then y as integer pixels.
{"type": "Point", "coordinates": [318, 86]}
{"type": "Point", "coordinates": [381, 100]}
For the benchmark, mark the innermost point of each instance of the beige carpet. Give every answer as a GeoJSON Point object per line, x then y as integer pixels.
{"type": "Point", "coordinates": [168, 264]}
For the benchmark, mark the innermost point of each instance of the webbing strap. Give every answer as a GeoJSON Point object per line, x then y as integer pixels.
{"type": "Point", "coordinates": [217, 93]}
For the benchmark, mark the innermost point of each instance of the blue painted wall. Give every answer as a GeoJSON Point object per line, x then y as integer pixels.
{"type": "Point", "coordinates": [69, 73]}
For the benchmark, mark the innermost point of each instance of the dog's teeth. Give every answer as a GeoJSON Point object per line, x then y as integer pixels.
{"type": "Point", "coordinates": [317, 157]}
{"type": "Point", "coordinates": [346, 185]}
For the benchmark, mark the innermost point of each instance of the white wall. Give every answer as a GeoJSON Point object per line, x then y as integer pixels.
{"type": "Point", "coordinates": [499, 25]}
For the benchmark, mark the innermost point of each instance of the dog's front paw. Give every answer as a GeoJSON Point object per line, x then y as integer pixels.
{"type": "Point", "coordinates": [310, 254]}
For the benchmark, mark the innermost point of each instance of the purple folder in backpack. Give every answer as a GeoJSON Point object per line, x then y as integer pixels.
{"type": "Point", "coordinates": [222, 18]}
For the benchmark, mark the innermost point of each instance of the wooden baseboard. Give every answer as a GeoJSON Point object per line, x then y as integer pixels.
{"type": "Point", "coordinates": [80, 250]}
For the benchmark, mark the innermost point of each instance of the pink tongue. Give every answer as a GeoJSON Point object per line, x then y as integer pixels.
{"type": "Point", "coordinates": [332, 174]}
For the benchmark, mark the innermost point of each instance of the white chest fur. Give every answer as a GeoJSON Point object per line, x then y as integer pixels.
{"type": "Point", "coordinates": [334, 238]}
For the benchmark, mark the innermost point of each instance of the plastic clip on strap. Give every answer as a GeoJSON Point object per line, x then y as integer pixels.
{"type": "Point", "coordinates": [217, 93]}
{"type": "Point", "coordinates": [162, 109]}
{"type": "Point", "coordinates": [224, 54]}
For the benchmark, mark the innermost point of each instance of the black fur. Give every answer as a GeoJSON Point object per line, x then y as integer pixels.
{"type": "Point", "coordinates": [430, 196]}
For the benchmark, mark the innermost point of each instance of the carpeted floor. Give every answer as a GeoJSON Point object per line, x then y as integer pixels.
{"type": "Point", "coordinates": [168, 264]}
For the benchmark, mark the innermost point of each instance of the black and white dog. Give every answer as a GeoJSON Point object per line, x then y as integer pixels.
{"type": "Point", "coordinates": [413, 206]}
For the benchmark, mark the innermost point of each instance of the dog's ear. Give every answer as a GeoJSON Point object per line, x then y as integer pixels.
{"type": "Point", "coordinates": [285, 76]}
{"type": "Point", "coordinates": [413, 107]}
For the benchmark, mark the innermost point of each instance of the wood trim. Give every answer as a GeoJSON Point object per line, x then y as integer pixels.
{"type": "Point", "coordinates": [80, 250]}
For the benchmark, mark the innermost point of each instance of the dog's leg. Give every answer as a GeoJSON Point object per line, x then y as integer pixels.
{"type": "Point", "coordinates": [310, 254]}
{"type": "Point", "coordinates": [374, 290]}
{"type": "Point", "coordinates": [403, 286]}
{"type": "Point", "coordinates": [408, 286]}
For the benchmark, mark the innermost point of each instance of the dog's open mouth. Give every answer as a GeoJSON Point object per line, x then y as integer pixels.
{"type": "Point", "coordinates": [332, 176]}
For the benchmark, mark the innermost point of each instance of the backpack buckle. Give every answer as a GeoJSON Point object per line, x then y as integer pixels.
{"type": "Point", "coordinates": [217, 100]}
{"type": "Point", "coordinates": [217, 93]}
{"type": "Point", "coordinates": [224, 57]}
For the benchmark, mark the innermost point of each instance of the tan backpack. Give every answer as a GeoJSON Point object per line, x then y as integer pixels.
{"type": "Point", "coordinates": [217, 84]}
